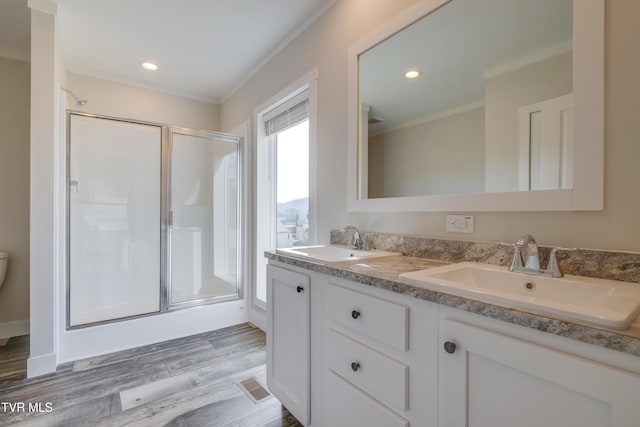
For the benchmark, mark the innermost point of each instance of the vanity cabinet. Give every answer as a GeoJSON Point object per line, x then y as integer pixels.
{"type": "Point", "coordinates": [346, 353]}
{"type": "Point", "coordinates": [288, 339]}
{"type": "Point", "coordinates": [498, 378]}
{"type": "Point", "coordinates": [380, 364]}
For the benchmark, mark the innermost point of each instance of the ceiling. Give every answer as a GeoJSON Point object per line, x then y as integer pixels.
{"type": "Point", "coordinates": [205, 48]}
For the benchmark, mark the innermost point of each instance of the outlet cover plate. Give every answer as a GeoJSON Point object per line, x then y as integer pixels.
{"type": "Point", "coordinates": [460, 223]}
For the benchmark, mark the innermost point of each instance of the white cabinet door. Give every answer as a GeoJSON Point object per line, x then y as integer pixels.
{"type": "Point", "coordinates": [288, 345]}
{"type": "Point", "coordinates": [492, 379]}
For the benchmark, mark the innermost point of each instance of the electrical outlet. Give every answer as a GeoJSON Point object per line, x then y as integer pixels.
{"type": "Point", "coordinates": [460, 223]}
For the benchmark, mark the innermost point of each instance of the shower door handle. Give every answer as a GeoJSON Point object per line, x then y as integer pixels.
{"type": "Point", "coordinates": [170, 218]}
{"type": "Point", "coordinates": [76, 184]}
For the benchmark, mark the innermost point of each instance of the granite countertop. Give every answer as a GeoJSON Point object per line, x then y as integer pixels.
{"type": "Point", "coordinates": [383, 273]}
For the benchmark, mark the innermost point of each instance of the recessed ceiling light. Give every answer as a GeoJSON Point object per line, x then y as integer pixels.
{"type": "Point", "coordinates": [412, 74]}
{"type": "Point", "coordinates": [149, 66]}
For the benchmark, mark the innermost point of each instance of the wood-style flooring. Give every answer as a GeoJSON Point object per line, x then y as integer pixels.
{"type": "Point", "coordinates": [191, 381]}
{"type": "Point", "coordinates": [13, 360]}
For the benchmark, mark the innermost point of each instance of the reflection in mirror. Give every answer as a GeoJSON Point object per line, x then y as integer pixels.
{"type": "Point", "coordinates": [490, 111]}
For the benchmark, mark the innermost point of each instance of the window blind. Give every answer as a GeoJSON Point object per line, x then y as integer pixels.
{"type": "Point", "coordinates": [293, 111]}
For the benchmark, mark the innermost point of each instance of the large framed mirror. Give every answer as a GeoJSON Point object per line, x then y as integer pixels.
{"type": "Point", "coordinates": [506, 112]}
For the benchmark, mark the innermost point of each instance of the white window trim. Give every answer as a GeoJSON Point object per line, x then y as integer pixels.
{"type": "Point", "coordinates": [308, 81]}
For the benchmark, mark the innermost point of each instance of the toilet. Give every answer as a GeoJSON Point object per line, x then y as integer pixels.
{"type": "Point", "coordinates": [4, 258]}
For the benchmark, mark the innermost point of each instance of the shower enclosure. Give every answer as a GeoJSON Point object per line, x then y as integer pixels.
{"type": "Point", "coordinates": [153, 218]}
{"type": "Point", "coordinates": [203, 217]}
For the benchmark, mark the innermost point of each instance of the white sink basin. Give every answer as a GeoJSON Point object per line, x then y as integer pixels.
{"type": "Point", "coordinates": [333, 253]}
{"type": "Point", "coordinates": [600, 302]}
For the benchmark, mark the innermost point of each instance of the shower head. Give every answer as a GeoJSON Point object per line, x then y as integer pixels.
{"type": "Point", "coordinates": [79, 102]}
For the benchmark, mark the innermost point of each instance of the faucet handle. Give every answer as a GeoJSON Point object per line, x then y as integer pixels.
{"type": "Point", "coordinates": [354, 241]}
{"type": "Point", "coordinates": [553, 268]}
{"type": "Point", "coordinates": [516, 261]}
{"type": "Point", "coordinates": [366, 241]}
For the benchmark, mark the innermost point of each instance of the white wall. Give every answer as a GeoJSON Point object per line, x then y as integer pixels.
{"type": "Point", "coordinates": [324, 45]}
{"type": "Point", "coordinates": [442, 156]}
{"type": "Point", "coordinates": [131, 102]}
{"type": "Point", "coordinates": [14, 195]}
{"type": "Point", "coordinates": [44, 140]}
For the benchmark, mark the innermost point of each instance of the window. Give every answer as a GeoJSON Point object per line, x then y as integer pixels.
{"type": "Point", "coordinates": [290, 142]}
{"type": "Point", "coordinates": [284, 178]}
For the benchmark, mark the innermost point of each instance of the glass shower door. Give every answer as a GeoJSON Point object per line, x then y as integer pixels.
{"type": "Point", "coordinates": [114, 219]}
{"type": "Point", "coordinates": [203, 217]}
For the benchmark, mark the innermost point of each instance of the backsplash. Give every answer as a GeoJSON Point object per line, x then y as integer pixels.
{"type": "Point", "coordinates": [623, 266]}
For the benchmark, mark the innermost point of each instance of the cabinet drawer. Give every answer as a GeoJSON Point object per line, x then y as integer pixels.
{"type": "Point", "coordinates": [348, 406]}
{"type": "Point", "coordinates": [380, 319]}
{"type": "Point", "coordinates": [382, 377]}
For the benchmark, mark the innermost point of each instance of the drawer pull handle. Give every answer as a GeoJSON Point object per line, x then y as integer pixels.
{"type": "Point", "coordinates": [450, 347]}
{"type": "Point", "coordinates": [355, 366]}
{"type": "Point", "coordinates": [299, 289]}
{"type": "Point", "coordinates": [355, 314]}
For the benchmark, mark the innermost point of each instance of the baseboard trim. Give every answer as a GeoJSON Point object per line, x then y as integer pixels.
{"type": "Point", "coordinates": [14, 329]}
{"type": "Point", "coordinates": [258, 319]}
{"type": "Point", "coordinates": [41, 365]}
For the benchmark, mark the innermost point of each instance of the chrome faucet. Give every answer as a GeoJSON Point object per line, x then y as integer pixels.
{"type": "Point", "coordinates": [366, 241]}
{"type": "Point", "coordinates": [354, 238]}
{"type": "Point", "coordinates": [530, 264]}
{"type": "Point", "coordinates": [532, 258]}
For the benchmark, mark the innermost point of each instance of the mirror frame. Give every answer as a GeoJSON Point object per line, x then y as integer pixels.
{"type": "Point", "coordinates": [587, 193]}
